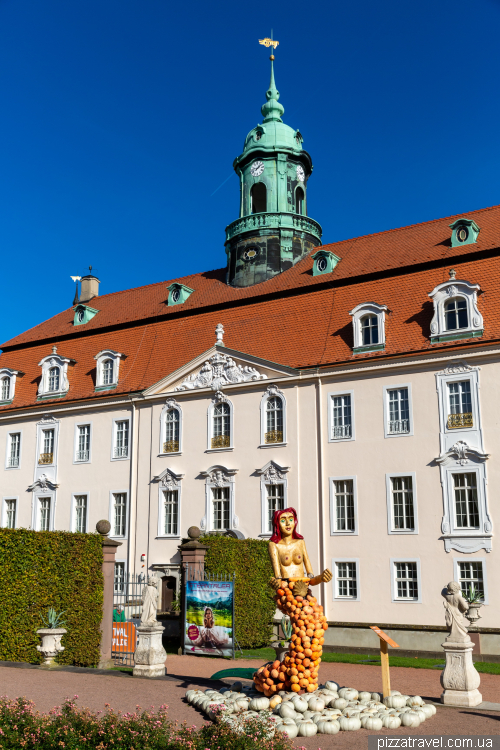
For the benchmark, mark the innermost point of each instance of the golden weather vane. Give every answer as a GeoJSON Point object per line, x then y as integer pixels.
{"type": "Point", "coordinates": [269, 42]}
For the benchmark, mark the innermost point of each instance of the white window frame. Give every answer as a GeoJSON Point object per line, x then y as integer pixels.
{"type": "Point", "coordinates": [336, 597]}
{"type": "Point", "coordinates": [387, 411]}
{"type": "Point", "coordinates": [76, 441]}
{"type": "Point", "coordinates": [73, 510]}
{"type": "Point", "coordinates": [171, 403]}
{"type": "Point", "coordinates": [6, 372]}
{"type": "Point", "coordinates": [5, 500]}
{"type": "Point", "coordinates": [219, 476]}
{"type": "Point", "coordinates": [35, 514]}
{"type": "Point", "coordinates": [361, 311]}
{"type": "Point", "coordinates": [443, 293]}
{"type": "Point", "coordinates": [8, 446]}
{"type": "Point", "coordinates": [169, 480]}
{"type": "Point", "coordinates": [100, 358]}
{"type": "Point", "coordinates": [219, 398]}
{"type": "Point", "coordinates": [456, 372]}
{"type": "Point", "coordinates": [114, 436]}
{"type": "Point", "coordinates": [47, 423]}
{"type": "Point", "coordinates": [54, 360]}
{"type": "Point", "coordinates": [112, 493]}
{"type": "Point", "coordinates": [390, 506]}
{"type": "Point", "coordinates": [396, 599]}
{"type": "Point", "coordinates": [271, 474]}
{"type": "Point", "coordinates": [333, 515]}
{"type": "Point", "coordinates": [120, 561]}
{"type": "Point", "coordinates": [456, 572]}
{"type": "Point", "coordinates": [271, 391]}
{"type": "Point", "coordinates": [331, 395]}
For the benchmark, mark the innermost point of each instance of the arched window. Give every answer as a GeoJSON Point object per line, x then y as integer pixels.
{"type": "Point", "coordinates": [259, 198]}
{"type": "Point", "coordinates": [456, 314]}
{"type": "Point", "coordinates": [299, 201]}
{"type": "Point", "coordinates": [274, 420]}
{"type": "Point", "coordinates": [5, 389]}
{"type": "Point", "coordinates": [172, 419]}
{"type": "Point", "coordinates": [107, 372]}
{"type": "Point", "coordinates": [369, 330]}
{"type": "Point", "coordinates": [54, 379]}
{"type": "Point", "coordinates": [221, 428]}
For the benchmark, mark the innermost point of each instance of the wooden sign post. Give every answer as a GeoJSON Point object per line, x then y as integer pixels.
{"type": "Point", "coordinates": [385, 641]}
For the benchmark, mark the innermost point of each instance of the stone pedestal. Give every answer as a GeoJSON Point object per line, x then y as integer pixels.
{"type": "Point", "coordinates": [150, 655]}
{"type": "Point", "coordinates": [460, 679]}
{"type": "Point", "coordinates": [109, 547]}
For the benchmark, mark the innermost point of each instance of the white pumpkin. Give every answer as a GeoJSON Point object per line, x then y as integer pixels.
{"type": "Point", "coordinates": [287, 710]}
{"type": "Point", "coordinates": [428, 709]}
{"type": "Point", "coordinates": [210, 692]}
{"type": "Point", "coordinates": [395, 701]}
{"type": "Point", "coordinates": [350, 694]}
{"type": "Point", "coordinates": [299, 704]}
{"type": "Point", "coordinates": [307, 728]}
{"type": "Point", "coordinates": [291, 730]}
{"type": "Point", "coordinates": [328, 727]}
{"type": "Point", "coordinates": [259, 704]}
{"type": "Point", "coordinates": [308, 714]}
{"type": "Point", "coordinates": [373, 722]}
{"type": "Point", "coordinates": [414, 700]}
{"type": "Point", "coordinates": [421, 715]}
{"type": "Point", "coordinates": [376, 697]}
{"type": "Point", "coordinates": [331, 685]}
{"type": "Point", "coordinates": [364, 697]}
{"type": "Point", "coordinates": [395, 692]}
{"type": "Point", "coordinates": [274, 701]}
{"type": "Point", "coordinates": [391, 722]}
{"type": "Point", "coordinates": [316, 704]}
{"type": "Point", "coordinates": [410, 719]}
{"type": "Point", "coordinates": [351, 711]}
{"type": "Point", "coordinates": [339, 703]}
{"type": "Point", "coordinates": [241, 704]}
{"type": "Point", "coordinates": [349, 724]}
{"type": "Point", "coordinates": [330, 699]}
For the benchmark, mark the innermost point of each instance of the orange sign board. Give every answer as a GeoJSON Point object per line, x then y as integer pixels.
{"type": "Point", "coordinates": [384, 636]}
{"type": "Point", "coordinates": [124, 637]}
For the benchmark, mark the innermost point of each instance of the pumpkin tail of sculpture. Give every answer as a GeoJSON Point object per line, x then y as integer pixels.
{"type": "Point", "coordinates": [298, 671]}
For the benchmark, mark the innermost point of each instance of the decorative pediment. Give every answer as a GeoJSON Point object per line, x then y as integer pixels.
{"type": "Point", "coordinates": [219, 371]}
{"type": "Point", "coordinates": [273, 473]}
{"type": "Point", "coordinates": [219, 476]}
{"type": "Point", "coordinates": [169, 479]}
{"type": "Point", "coordinates": [464, 454]}
{"type": "Point", "coordinates": [43, 484]}
{"type": "Point", "coordinates": [457, 368]}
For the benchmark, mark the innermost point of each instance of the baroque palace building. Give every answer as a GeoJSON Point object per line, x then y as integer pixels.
{"type": "Point", "coordinates": [355, 381]}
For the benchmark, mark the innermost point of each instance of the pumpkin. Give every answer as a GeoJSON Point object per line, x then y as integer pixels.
{"type": "Point", "coordinates": [395, 692]}
{"type": "Point", "coordinates": [391, 722]}
{"type": "Point", "coordinates": [350, 694]}
{"type": "Point", "coordinates": [414, 700]}
{"type": "Point", "coordinates": [428, 709]}
{"type": "Point", "coordinates": [373, 722]}
{"type": "Point", "coordinates": [275, 701]}
{"type": "Point", "coordinates": [299, 704]}
{"type": "Point", "coordinates": [307, 728]}
{"type": "Point", "coordinates": [241, 704]}
{"type": "Point", "coordinates": [259, 704]}
{"type": "Point", "coordinates": [316, 704]}
{"type": "Point", "coordinates": [376, 697]}
{"type": "Point", "coordinates": [364, 697]}
{"type": "Point", "coordinates": [395, 701]}
{"type": "Point", "coordinates": [420, 713]}
{"type": "Point", "coordinates": [291, 730]}
{"type": "Point", "coordinates": [349, 724]}
{"type": "Point", "coordinates": [328, 727]}
{"type": "Point", "coordinates": [350, 711]}
{"type": "Point", "coordinates": [237, 686]}
{"type": "Point", "coordinates": [308, 714]}
{"type": "Point", "coordinates": [287, 710]}
{"type": "Point", "coordinates": [410, 719]}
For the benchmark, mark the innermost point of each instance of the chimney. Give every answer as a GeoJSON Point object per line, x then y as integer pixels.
{"type": "Point", "coordinates": [89, 287]}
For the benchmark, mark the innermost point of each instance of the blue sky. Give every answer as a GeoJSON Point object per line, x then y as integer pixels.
{"type": "Point", "coordinates": [121, 119]}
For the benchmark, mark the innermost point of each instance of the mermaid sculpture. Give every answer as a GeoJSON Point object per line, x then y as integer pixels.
{"type": "Point", "coordinates": [299, 669]}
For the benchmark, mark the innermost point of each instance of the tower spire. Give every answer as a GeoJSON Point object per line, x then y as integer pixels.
{"type": "Point", "coordinates": [272, 109]}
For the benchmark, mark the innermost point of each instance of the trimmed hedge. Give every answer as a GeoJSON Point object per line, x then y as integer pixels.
{"type": "Point", "coordinates": [254, 606]}
{"type": "Point", "coordinates": [42, 569]}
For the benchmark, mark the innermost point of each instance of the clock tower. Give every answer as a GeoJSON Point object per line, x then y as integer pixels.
{"type": "Point", "coordinates": [273, 231]}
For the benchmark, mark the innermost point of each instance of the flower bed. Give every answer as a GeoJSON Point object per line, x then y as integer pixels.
{"type": "Point", "coordinates": [72, 728]}
{"type": "Point", "coordinates": [328, 710]}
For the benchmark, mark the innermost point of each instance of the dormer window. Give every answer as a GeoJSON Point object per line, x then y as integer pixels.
{"type": "Point", "coordinates": [7, 384]}
{"type": "Point", "coordinates": [83, 313]}
{"type": "Point", "coordinates": [368, 321]}
{"type": "Point", "coordinates": [464, 232]}
{"type": "Point", "coordinates": [324, 262]}
{"type": "Point", "coordinates": [107, 369]}
{"type": "Point", "coordinates": [178, 293]}
{"type": "Point", "coordinates": [54, 382]}
{"type": "Point", "coordinates": [456, 314]}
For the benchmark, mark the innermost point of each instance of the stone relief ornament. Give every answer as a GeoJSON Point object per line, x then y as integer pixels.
{"type": "Point", "coordinates": [218, 479]}
{"type": "Point", "coordinates": [273, 390]}
{"type": "Point", "coordinates": [219, 371]}
{"type": "Point", "coordinates": [170, 403]}
{"type": "Point", "coordinates": [273, 476]}
{"type": "Point", "coordinates": [43, 484]}
{"type": "Point", "coordinates": [169, 481]}
{"type": "Point", "coordinates": [461, 448]}
{"type": "Point", "coordinates": [457, 367]}
{"type": "Point", "coordinates": [220, 398]}
{"type": "Point", "coordinates": [452, 291]}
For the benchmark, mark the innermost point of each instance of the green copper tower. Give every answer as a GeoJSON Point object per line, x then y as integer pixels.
{"type": "Point", "coordinates": [273, 231]}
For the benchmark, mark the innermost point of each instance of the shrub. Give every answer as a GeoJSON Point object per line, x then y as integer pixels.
{"type": "Point", "coordinates": [43, 569]}
{"type": "Point", "coordinates": [72, 728]}
{"type": "Point", "coordinates": [254, 606]}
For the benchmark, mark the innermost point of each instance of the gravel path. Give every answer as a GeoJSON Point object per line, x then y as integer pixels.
{"type": "Point", "coordinates": [48, 689]}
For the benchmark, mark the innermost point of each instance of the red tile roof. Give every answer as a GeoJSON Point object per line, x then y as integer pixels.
{"type": "Point", "coordinates": [294, 319]}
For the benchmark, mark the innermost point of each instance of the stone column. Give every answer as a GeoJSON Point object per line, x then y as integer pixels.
{"type": "Point", "coordinates": [109, 547]}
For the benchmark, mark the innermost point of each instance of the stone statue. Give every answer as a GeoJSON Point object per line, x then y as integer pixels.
{"type": "Point", "coordinates": [455, 605]}
{"type": "Point", "coordinates": [149, 601]}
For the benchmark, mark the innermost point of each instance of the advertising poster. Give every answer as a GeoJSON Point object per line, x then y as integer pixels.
{"type": "Point", "coordinates": [124, 637]}
{"type": "Point", "coordinates": [208, 627]}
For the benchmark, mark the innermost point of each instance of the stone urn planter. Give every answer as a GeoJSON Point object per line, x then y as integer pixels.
{"type": "Point", "coordinates": [473, 612]}
{"type": "Point", "coordinates": [281, 651]}
{"type": "Point", "coordinates": [51, 645]}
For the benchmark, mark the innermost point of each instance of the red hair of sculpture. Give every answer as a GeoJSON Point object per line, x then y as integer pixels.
{"type": "Point", "coordinates": [276, 537]}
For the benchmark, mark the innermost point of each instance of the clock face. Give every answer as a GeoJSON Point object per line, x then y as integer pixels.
{"type": "Point", "coordinates": [300, 173]}
{"type": "Point", "coordinates": [257, 168]}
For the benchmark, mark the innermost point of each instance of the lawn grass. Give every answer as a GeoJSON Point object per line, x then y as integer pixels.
{"type": "Point", "coordinates": [267, 654]}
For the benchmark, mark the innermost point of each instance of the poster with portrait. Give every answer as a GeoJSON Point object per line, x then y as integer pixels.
{"type": "Point", "coordinates": [209, 618]}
